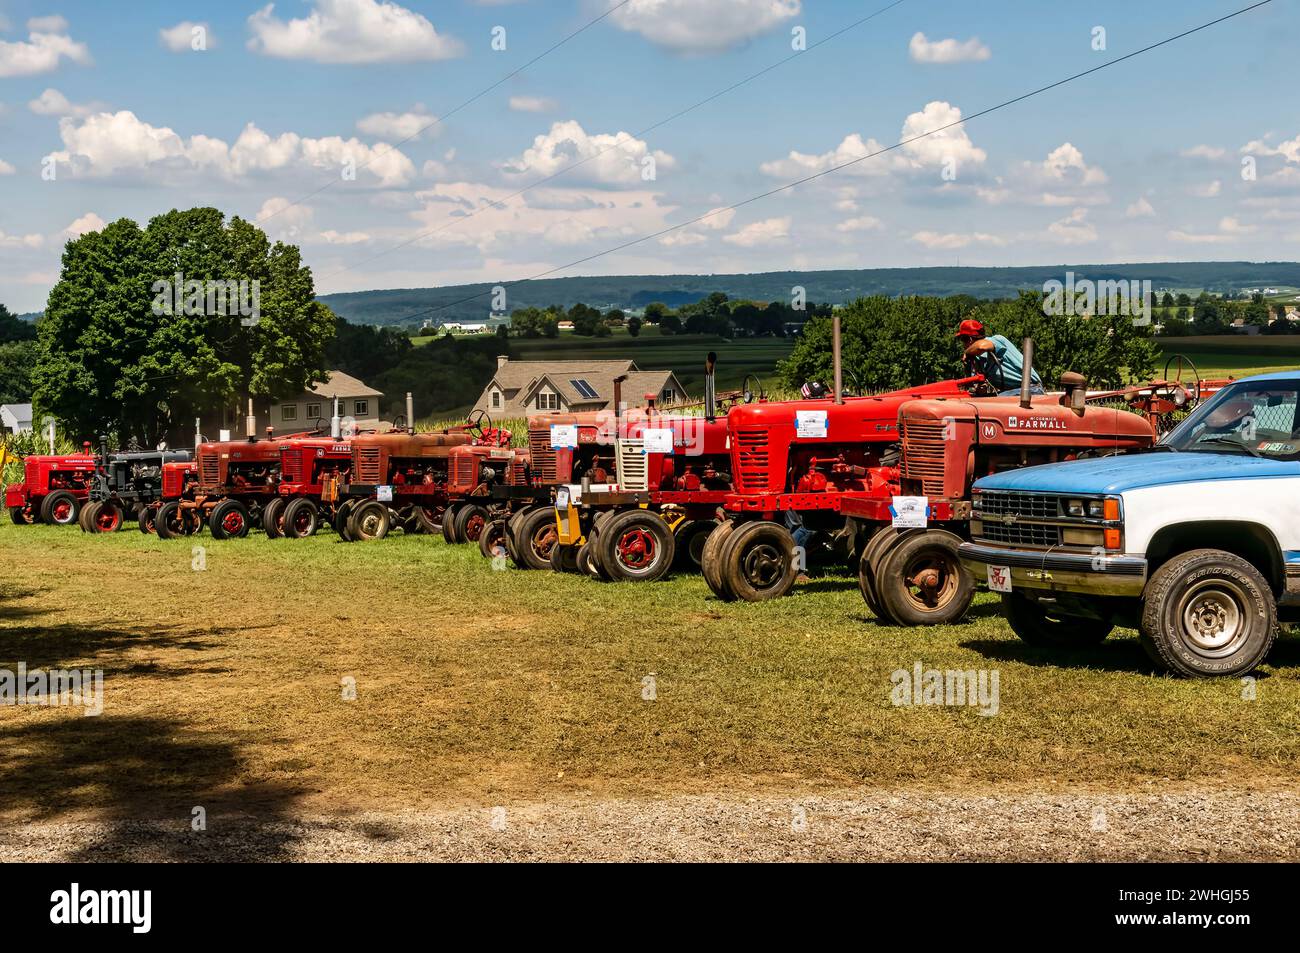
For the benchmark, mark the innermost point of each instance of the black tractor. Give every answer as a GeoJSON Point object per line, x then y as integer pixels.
{"type": "Point", "coordinates": [125, 486]}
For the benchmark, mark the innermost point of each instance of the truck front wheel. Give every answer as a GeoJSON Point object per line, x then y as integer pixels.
{"type": "Point", "coordinates": [1208, 612]}
{"type": "Point", "coordinates": [1035, 625]}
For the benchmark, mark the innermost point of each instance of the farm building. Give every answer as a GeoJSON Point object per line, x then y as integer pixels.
{"type": "Point", "coordinates": [356, 400]}
{"type": "Point", "coordinates": [15, 418]}
{"type": "Point", "coordinates": [520, 388]}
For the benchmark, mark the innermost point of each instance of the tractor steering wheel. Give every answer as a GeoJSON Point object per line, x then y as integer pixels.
{"type": "Point", "coordinates": [748, 392]}
{"type": "Point", "coordinates": [1182, 362]}
{"type": "Point", "coordinates": [478, 423]}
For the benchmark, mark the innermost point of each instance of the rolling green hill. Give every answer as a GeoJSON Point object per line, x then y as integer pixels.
{"type": "Point", "coordinates": [408, 306]}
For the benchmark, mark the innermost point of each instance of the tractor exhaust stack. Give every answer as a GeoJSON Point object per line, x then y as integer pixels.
{"type": "Point", "coordinates": [710, 393]}
{"type": "Point", "coordinates": [410, 412]}
{"type": "Point", "coordinates": [835, 357]}
{"type": "Point", "coordinates": [618, 396]}
{"type": "Point", "coordinates": [250, 422]}
{"type": "Point", "coordinates": [1027, 372]}
{"type": "Point", "coordinates": [336, 423]}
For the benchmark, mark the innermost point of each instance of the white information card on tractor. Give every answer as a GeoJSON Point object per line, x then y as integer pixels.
{"type": "Point", "coordinates": [910, 512]}
{"type": "Point", "coordinates": [658, 440]}
{"type": "Point", "coordinates": [564, 435]}
{"type": "Point", "coordinates": [810, 423]}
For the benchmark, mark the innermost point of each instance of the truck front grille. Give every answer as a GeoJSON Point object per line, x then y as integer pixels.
{"type": "Point", "coordinates": [1021, 534]}
{"type": "Point", "coordinates": [633, 472]}
{"type": "Point", "coordinates": [751, 461]}
{"type": "Point", "coordinates": [1021, 505]}
{"type": "Point", "coordinates": [923, 455]}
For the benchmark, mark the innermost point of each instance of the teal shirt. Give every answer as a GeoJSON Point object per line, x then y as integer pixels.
{"type": "Point", "coordinates": [1011, 365]}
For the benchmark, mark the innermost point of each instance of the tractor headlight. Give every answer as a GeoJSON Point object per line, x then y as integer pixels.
{"type": "Point", "coordinates": [1096, 509]}
{"type": "Point", "coordinates": [1074, 507]}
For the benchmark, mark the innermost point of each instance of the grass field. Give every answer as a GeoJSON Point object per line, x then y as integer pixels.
{"type": "Point", "coordinates": [223, 688]}
{"type": "Point", "coordinates": [1236, 355]}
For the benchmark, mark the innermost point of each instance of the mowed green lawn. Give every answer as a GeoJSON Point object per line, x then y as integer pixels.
{"type": "Point", "coordinates": [225, 687]}
{"type": "Point", "coordinates": [1236, 355]}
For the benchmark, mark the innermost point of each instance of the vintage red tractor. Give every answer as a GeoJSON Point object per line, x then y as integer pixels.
{"type": "Point", "coordinates": [180, 484]}
{"type": "Point", "coordinates": [307, 464]}
{"type": "Point", "coordinates": [237, 479]}
{"type": "Point", "coordinates": [53, 490]}
{"type": "Point", "coordinates": [475, 472]}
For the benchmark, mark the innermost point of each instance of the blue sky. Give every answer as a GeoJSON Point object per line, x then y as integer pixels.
{"type": "Point", "coordinates": [1141, 162]}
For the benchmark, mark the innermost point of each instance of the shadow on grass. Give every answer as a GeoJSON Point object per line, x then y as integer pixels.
{"type": "Point", "coordinates": [1112, 655]}
{"type": "Point", "coordinates": [143, 777]}
{"type": "Point", "coordinates": [51, 646]}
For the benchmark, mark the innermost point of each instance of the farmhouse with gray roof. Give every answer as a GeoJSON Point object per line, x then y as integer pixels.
{"type": "Point", "coordinates": [520, 388]}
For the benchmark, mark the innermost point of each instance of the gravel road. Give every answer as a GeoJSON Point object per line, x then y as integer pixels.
{"type": "Point", "coordinates": [913, 826]}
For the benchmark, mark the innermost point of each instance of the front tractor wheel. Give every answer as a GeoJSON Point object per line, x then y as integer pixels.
{"type": "Point", "coordinates": [691, 537]}
{"type": "Point", "coordinates": [107, 517]}
{"type": "Point", "coordinates": [273, 518]}
{"type": "Point", "coordinates": [369, 521]}
{"type": "Point", "coordinates": [301, 519]}
{"type": "Point", "coordinates": [921, 580]}
{"type": "Point", "coordinates": [759, 562]}
{"type": "Point", "coordinates": [711, 560]}
{"type": "Point", "coordinates": [635, 546]}
{"type": "Point", "coordinates": [1208, 613]}
{"type": "Point", "coordinates": [229, 520]}
{"type": "Point", "coordinates": [470, 520]}
{"type": "Point", "coordinates": [492, 541]}
{"type": "Point", "coordinates": [564, 558]}
{"type": "Point", "coordinates": [60, 509]}
{"type": "Point", "coordinates": [22, 515]}
{"type": "Point", "coordinates": [84, 517]}
{"type": "Point", "coordinates": [1037, 625]}
{"type": "Point", "coordinates": [867, 565]}
{"type": "Point", "coordinates": [170, 522]}
{"type": "Point", "coordinates": [449, 525]}
{"type": "Point", "coordinates": [147, 520]}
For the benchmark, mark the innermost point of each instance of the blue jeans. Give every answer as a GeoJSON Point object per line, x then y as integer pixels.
{"type": "Point", "coordinates": [1015, 391]}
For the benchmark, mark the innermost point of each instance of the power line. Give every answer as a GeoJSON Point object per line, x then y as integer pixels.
{"type": "Point", "coordinates": [618, 143]}
{"type": "Point", "coordinates": [473, 99]}
{"type": "Point", "coordinates": [851, 162]}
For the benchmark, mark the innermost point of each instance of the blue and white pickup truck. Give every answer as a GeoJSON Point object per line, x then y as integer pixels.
{"type": "Point", "coordinates": [1195, 542]}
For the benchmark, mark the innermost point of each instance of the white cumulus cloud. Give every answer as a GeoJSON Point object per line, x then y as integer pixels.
{"type": "Point", "coordinates": [1140, 209]}
{"type": "Point", "coordinates": [90, 222]}
{"type": "Point", "coordinates": [767, 232]}
{"type": "Point", "coordinates": [610, 160]}
{"type": "Point", "coordinates": [950, 143]}
{"type": "Point", "coordinates": [46, 45]}
{"type": "Point", "coordinates": [1204, 152]}
{"type": "Point", "coordinates": [923, 50]}
{"type": "Point", "coordinates": [702, 26]}
{"type": "Point", "coordinates": [948, 241]}
{"type": "Point", "coordinates": [401, 126]}
{"type": "Point", "coordinates": [1075, 229]}
{"type": "Point", "coordinates": [862, 223]}
{"type": "Point", "coordinates": [351, 31]}
{"type": "Point", "coordinates": [181, 37]}
{"type": "Point", "coordinates": [54, 103]}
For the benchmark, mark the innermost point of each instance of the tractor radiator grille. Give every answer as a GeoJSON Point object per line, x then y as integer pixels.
{"type": "Point", "coordinates": [209, 469]}
{"type": "Point", "coordinates": [633, 471]}
{"type": "Point", "coordinates": [923, 455]}
{"type": "Point", "coordinates": [752, 474]}
{"type": "Point", "coordinates": [292, 469]}
{"type": "Point", "coordinates": [1021, 534]}
{"type": "Point", "coordinates": [173, 482]}
{"type": "Point", "coordinates": [518, 473]}
{"type": "Point", "coordinates": [543, 455]}
{"type": "Point", "coordinates": [464, 472]}
{"type": "Point", "coordinates": [1020, 505]}
{"type": "Point", "coordinates": [365, 462]}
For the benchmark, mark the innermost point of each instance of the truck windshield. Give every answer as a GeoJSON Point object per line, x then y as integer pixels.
{"type": "Point", "coordinates": [1253, 418]}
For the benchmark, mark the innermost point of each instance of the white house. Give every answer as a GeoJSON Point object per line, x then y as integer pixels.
{"type": "Point", "coordinates": [15, 418]}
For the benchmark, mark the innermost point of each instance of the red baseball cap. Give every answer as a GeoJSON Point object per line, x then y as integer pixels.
{"type": "Point", "coordinates": [970, 327]}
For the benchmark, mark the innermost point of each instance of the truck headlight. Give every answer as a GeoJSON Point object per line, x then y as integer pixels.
{"type": "Point", "coordinates": [1096, 509]}
{"type": "Point", "coordinates": [1074, 507]}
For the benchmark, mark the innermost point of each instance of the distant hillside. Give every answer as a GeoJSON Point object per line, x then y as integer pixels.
{"type": "Point", "coordinates": [413, 305]}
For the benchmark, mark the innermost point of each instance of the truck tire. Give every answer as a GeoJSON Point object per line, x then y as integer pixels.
{"type": "Point", "coordinates": [691, 536]}
{"type": "Point", "coordinates": [301, 519]}
{"type": "Point", "coordinates": [535, 534]}
{"type": "Point", "coordinates": [107, 517]}
{"type": "Point", "coordinates": [369, 521]}
{"type": "Point", "coordinates": [1208, 613]}
{"type": "Point", "coordinates": [882, 540]}
{"type": "Point", "coordinates": [711, 560]}
{"type": "Point", "coordinates": [635, 546]}
{"type": "Point", "coordinates": [60, 509]}
{"type": "Point", "coordinates": [449, 525]}
{"type": "Point", "coordinates": [21, 515]}
{"type": "Point", "coordinates": [84, 517]}
{"type": "Point", "coordinates": [170, 522]}
{"type": "Point", "coordinates": [564, 558]}
{"type": "Point", "coordinates": [922, 581]}
{"type": "Point", "coordinates": [758, 561]}
{"type": "Point", "coordinates": [1037, 626]}
{"type": "Point", "coordinates": [492, 541]}
{"type": "Point", "coordinates": [273, 518]}
{"type": "Point", "coordinates": [146, 520]}
{"type": "Point", "coordinates": [470, 520]}
{"type": "Point", "coordinates": [229, 520]}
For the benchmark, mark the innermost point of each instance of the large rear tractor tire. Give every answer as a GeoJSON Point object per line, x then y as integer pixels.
{"type": "Point", "coordinates": [1038, 626]}
{"type": "Point", "coordinates": [635, 546]}
{"type": "Point", "coordinates": [428, 519]}
{"type": "Point", "coordinates": [535, 535]}
{"type": "Point", "coordinates": [1208, 613]}
{"type": "Point", "coordinates": [759, 562]}
{"type": "Point", "coordinates": [921, 580]}
{"type": "Point", "coordinates": [711, 560]}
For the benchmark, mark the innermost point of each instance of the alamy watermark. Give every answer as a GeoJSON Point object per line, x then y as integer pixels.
{"type": "Point", "coordinates": [191, 297]}
{"type": "Point", "coordinates": [954, 687]}
{"type": "Point", "coordinates": [1077, 297]}
{"type": "Point", "coordinates": [55, 687]}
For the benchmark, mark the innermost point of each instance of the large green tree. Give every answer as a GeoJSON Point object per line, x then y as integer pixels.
{"type": "Point", "coordinates": [144, 330]}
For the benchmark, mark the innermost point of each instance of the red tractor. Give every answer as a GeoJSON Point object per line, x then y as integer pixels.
{"type": "Point", "coordinates": [399, 477]}
{"type": "Point", "coordinates": [474, 474]}
{"type": "Point", "coordinates": [307, 464]}
{"type": "Point", "coordinates": [180, 484]}
{"type": "Point", "coordinates": [237, 479]}
{"type": "Point", "coordinates": [53, 490]}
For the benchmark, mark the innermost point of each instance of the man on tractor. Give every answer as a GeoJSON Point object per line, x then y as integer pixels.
{"type": "Point", "coordinates": [996, 358]}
